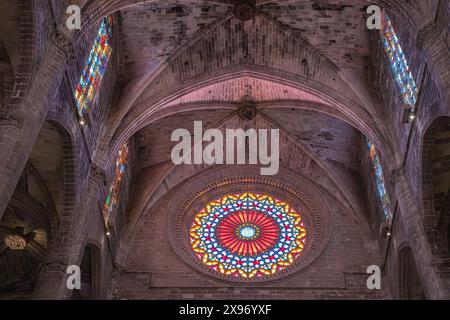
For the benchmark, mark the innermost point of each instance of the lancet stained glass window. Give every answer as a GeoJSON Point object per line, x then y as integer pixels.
{"type": "Point", "coordinates": [248, 235]}
{"type": "Point", "coordinates": [380, 185]}
{"type": "Point", "coordinates": [95, 67]}
{"type": "Point", "coordinates": [119, 172]}
{"type": "Point", "coordinates": [398, 63]}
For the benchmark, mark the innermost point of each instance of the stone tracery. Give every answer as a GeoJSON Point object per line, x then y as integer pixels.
{"type": "Point", "coordinates": [248, 235]}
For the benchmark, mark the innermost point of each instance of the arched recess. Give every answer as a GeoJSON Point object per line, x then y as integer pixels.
{"type": "Point", "coordinates": [184, 106]}
{"type": "Point", "coordinates": [52, 158]}
{"type": "Point", "coordinates": [435, 182]}
{"type": "Point", "coordinates": [44, 195]}
{"type": "Point", "coordinates": [90, 274]}
{"type": "Point", "coordinates": [160, 179]}
{"type": "Point", "coordinates": [306, 197]}
{"type": "Point", "coordinates": [409, 284]}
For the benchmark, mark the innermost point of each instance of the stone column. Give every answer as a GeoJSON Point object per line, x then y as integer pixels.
{"type": "Point", "coordinates": [68, 245]}
{"type": "Point", "coordinates": [433, 284]}
{"type": "Point", "coordinates": [20, 124]}
{"type": "Point", "coordinates": [432, 40]}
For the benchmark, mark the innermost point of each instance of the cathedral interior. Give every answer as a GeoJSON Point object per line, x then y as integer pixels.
{"type": "Point", "coordinates": [354, 93]}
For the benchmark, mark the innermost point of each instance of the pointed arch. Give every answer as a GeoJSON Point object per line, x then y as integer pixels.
{"type": "Point", "coordinates": [409, 283]}
{"type": "Point", "coordinates": [435, 183]}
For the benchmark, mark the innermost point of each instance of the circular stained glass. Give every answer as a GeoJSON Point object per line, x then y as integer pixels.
{"type": "Point", "coordinates": [248, 235]}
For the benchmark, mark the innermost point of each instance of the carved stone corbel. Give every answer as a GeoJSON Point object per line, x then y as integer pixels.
{"type": "Point", "coordinates": [98, 174]}
{"type": "Point", "coordinates": [64, 43]}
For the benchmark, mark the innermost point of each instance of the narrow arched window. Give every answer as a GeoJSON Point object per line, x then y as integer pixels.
{"type": "Point", "coordinates": [378, 176]}
{"type": "Point", "coordinates": [114, 191]}
{"type": "Point", "coordinates": [94, 69]}
{"type": "Point", "coordinates": [398, 63]}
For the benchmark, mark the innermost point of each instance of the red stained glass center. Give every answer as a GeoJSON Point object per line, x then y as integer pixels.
{"type": "Point", "coordinates": [247, 233]}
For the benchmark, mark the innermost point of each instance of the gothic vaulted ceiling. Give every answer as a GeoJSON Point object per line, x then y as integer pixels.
{"type": "Point", "coordinates": [186, 61]}
{"type": "Point", "coordinates": [152, 31]}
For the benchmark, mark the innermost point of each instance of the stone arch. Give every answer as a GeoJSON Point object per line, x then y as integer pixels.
{"type": "Point", "coordinates": [180, 108]}
{"type": "Point", "coordinates": [434, 181]}
{"type": "Point", "coordinates": [340, 88]}
{"type": "Point", "coordinates": [51, 175]}
{"type": "Point", "coordinates": [72, 147]}
{"type": "Point", "coordinates": [330, 103]}
{"type": "Point", "coordinates": [51, 183]}
{"type": "Point", "coordinates": [48, 181]}
{"type": "Point", "coordinates": [170, 177]}
{"type": "Point", "coordinates": [413, 15]}
{"type": "Point", "coordinates": [306, 199]}
{"type": "Point", "coordinates": [67, 156]}
{"type": "Point", "coordinates": [409, 283]}
{"type": "Point", "coordinates": [90, 273]}
{"type": "Point", "coordinates": [68, 246]}
{"type": "Point", "coordinates": [214, 186]}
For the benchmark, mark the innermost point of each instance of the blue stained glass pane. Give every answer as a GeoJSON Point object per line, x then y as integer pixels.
{"type": "Point", "coordinates": [380, 185]}
{"type": "Point", "coordinates": [95, 67]}
{"type": "Point", "coordinates": [398, 63]}
{"type": "Point", "coordinates": [113, 195]}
